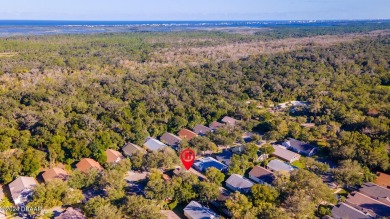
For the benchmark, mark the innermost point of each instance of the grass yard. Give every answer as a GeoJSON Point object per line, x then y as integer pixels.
{"type": "Point", "coordinates": [298, 164]}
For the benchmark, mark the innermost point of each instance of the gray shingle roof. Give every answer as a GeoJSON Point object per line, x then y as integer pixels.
{"type": "Point", "coordinates": [154, 144]}
{"type": "Point", "coordinates": [343, 211]}
{"type": "Point", "coordinates": [201, 129]}
{"type": "Point", "coordinates": [262, 174]}
{"type": "Point", "coordinates": [170, 139]}
{"type": "Point", "coordinates": [194, 210]}
{"type": "Point", "coordinates": [376, 192]}
{"type": "Point", "coordinates": [229, 120]}
{"type": "Point", "coordinates": [22, 186]}
{"type": "Point", "coordinates": [285, 154]}
{"type": "Point", "coordinates": [368, 205]}
{"type": "Point", "coordinates": [278, 165]}
{"type": "Point", "coordinates": [130, 149]}
{"type": "Point", "coordinates": [239, 182]}
{"type": "Point", "coordinates": [300, 146]}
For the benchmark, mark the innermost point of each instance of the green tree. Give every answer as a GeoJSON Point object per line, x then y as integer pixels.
{"type": "Point", "coordinates": [208, 191]}
{"type": "Point", "coordinates": [215, 176]}
{"type": "Point", "coordinates": [238, 205]}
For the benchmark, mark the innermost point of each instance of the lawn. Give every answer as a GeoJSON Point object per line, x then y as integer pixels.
{"type": "Point", "coordinates": [298, 164]}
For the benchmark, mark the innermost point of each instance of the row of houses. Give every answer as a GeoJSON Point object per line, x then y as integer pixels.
{"type": "Point", "coordinates": [369, 202]}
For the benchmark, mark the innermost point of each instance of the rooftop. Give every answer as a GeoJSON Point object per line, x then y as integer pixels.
{"type": "Point", "coordinates": [278, 165]}
{"type": "Point", "coordinates": [54, 173]}
{"type": "Point", "coordinates": [187, 134]}
{"type": "Point", "coordinates": [113, 156]}
{"type": "Point", "coordinates": [71, 213]}
{"type": "Point", "coordinates": [376, 192]}
{"type": "Point", "coordinates": [368, 205]}
{"type": "Point", "coordinates": [86, 164]}
{"type": "Point", "coordinates": [343, 210]}
{"type": "Point", "coordinates": [154, 144]}
{"type": "Point", "coordinates": [201, 129]}
{"type": "Point", "coordinates": [300, 145]}
{"type": "Point", "coordinates": [20, 184]}
{"type": "Point", "coordinates": [383, 179]}
{"type": "Point", "coordinates": [130, 149]}
{"type": "Point", "coordinates": [285, 154]}
{"type": "Point", "coordinates": [224, 157]}
{"type": "Point", "coordinates": [170, 139]}
{"type": "Point", "coordinates": [214, 125]}
{"type": "Point", "coordinates": [207, 162]}
{"type": "Point", "coordinates": [262, 174]}
{"type": "Point", "coordinates": [196, 211]}
{"type": "Point", "coordinates": [229, 120]}
{"type": "Point", "coordinates": [239, 182]}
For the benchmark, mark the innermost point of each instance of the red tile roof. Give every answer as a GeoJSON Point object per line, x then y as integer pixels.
{"type": "Point", "coordinates": [54, 173]}
{"type": "Point", "coordinates": [86, 164]}
{"type": "Point", "coordinates": [383, 180]}
{"type": "Point", "coordinates": [187, 134]}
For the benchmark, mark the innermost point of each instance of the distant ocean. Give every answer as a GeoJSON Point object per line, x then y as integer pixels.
{"type": "Point", "coordinates": [36, 27]}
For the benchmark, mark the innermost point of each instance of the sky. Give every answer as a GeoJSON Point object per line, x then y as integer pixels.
{"type": "Point", "coordinates": [128, 10]}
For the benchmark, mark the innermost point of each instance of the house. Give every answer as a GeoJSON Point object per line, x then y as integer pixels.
{"type": "Point", "coordinates": [261, 175]}
{"type": "Point", "coordinates": [130, 149]}
{"type": "Point", "coordinates": [113, 156]}
{"type": "Point", "coordinates": [229, 121]}
{"type": "Point", "coordinates": [201, 129]}
{"type": "Point", "coordinates": [238, 183]}
{"type": "Point", "coordinates": [219, 203]}
{"type": "Point", "coordinates": [343, 211]}
{"type": "Point", "coordinates": [376, 192]}
{"type": "Point", "coordinates": [71, 213]}
{"type": "Point", "coordinates": [300, 147]}
{"type": "Point", "coordinates": [383, 179]}
{"type": "Point", "coordinates": [55, 173]}
{"type": "Point", "coordinates": [187, 134]}
{"type": "Point", "coordinates": [284, 154]}
{"type": "Point", "coordinates": [153, 144]}
{"type": "Point", "coordinates": [276, 165]}
{"type": "Point", "coordinates": [194, 210]}
{"type": "Point", "coordinates": [21, 189]}
{"type": "Point", "coordinates": [87, 164]}
{"type": "Point", "coordinates": [170, 139]}
{"type": "Point", "coordinates": [169, 214]}
{"type": "Point", "coordinates": [369, 206]}
{"type": "Point", "coordinates": [215, 125]}
{"type": "Point", "coordinates": [204, 163]}
{"type": "Point", "coordinates": [224, 157]}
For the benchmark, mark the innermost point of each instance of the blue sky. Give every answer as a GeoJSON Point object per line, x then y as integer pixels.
{"type": "Point", "coordinates": [194, 10]}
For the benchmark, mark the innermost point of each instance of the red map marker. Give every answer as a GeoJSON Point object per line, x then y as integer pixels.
{"type": "Point", "coordinates": [187, 158]}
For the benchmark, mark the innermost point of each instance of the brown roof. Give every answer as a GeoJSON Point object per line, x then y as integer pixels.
{"type": "Point", "coordinates": [71, 213]}
{"type": "Point", "coordinates": [383, 179]}
{"type": "Point", "coordinates": [229, 120]}
{"type": "Point", "coordinates": [86, 164]}
{"type": "Point", "coordinates": [262, 174]}
{"type": "Point", "coordinates": [285, 154]}
{"type": "Point", "coordinates": [113, 156]}
{"type": "Point", "coordinates": [215, 125]}
{"type": "Point", "coordinates": [187, 134]}
{"type": "Point", "coordinates": [54, 173]}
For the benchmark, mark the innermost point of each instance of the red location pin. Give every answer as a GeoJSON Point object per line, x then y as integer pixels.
{"type": "Point", "coordinates": [187, 157]}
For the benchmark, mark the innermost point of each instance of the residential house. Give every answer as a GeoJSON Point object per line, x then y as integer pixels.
{"type": "Point", "coordinates": [113, 156]}
{"type": "Point", "coordinates": [383, 179]}
{"type": "Point", "coordinates": [21, 189]}
{"type": "Point", "coordinates": [276, 165]}
{"type": "Point", "coordinates": [153, 144]}
{"type": "Point", "coordinates": [261, 175]}
{"type": "Point", "coordinates": [238, 183]}
{"type": "Point", "coordinates": [187, 134]}
{"type": "Point", "coordinates": [169, 214]}
{"type": "Point", "coordinates": [215, 125]}
{"type": "Point", "coordinates": [71, 213]}
{"type": "Point", "coordinates": [130, 149]}
{"type": "Point", "coordinates": [204, 163]}
{"type": "Point", "coordinates": [170, 139]}
{"type": "Point", "coordinates": [300, 147]}
{"type": "Point", "coordinates": [219, 203]}
{"type": "Point", "coordinates": [284, 154]}
{"type": "Point", "coordinates": [376, 192]}
{"type": "Point", "coordinates": [229, 121]}
{"type": "Point", "coordinates": [54, 173]}
{"type": "Point", "coordinates": [224, 157]}
{"type": "Point", "coordinates": [369, 206]}
{"type": "Point", "coordinates": [86, 164]}
{"type": "Point", "coordinates": [194, 210]}
{"type": "Point", "coordinates": [344, 211]}
{"type": "Point", "coordinates": [201, 129]}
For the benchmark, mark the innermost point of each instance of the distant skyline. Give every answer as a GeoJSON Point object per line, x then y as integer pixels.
{"type": "Point", "coordinates": [130, 10]}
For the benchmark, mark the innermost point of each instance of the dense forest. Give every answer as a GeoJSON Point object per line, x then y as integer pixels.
{"type": "Point", "coordinates": [66, 97]}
